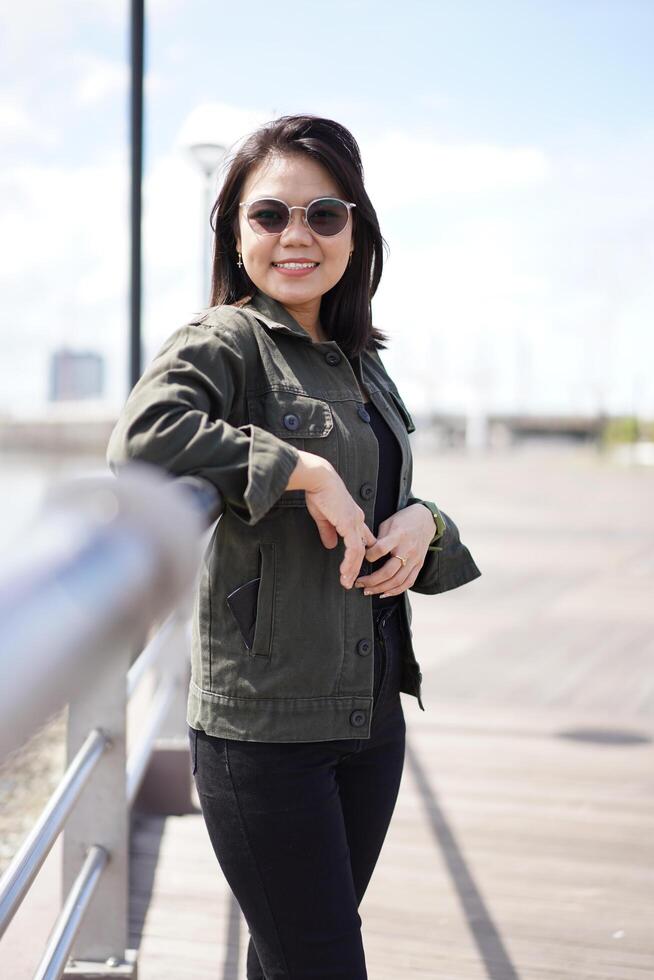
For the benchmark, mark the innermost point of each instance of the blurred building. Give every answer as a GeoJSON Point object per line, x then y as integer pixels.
{"type": "Point", "coordinates": [75, 375]}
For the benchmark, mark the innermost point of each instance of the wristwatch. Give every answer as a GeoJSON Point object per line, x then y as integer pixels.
{"type": "Point", "coordinates": [438, 521]}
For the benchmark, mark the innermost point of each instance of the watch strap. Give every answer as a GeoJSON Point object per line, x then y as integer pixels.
{"type": "Point", "coordinates": [439, 523]}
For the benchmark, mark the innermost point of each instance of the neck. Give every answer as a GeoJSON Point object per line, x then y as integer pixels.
{"type": "Point", "coordinates": [308, 316]}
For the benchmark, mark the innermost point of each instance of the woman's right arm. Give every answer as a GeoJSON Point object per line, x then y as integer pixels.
{"type": "Point", "coordinates": [175, 417]}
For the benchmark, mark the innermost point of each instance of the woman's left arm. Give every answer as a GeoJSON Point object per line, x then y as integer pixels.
{"type": "Point", "coordinates": [448, 563]}
{"type": "Point", "coordinates": [434, 564]}
{"type": "Point", "coordinates": [442, 559]}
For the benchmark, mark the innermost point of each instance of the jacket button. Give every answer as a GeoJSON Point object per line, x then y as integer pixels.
{"type": "Point", "coordinates": [364, 647]}
{"type": "Point", "coordinates": [367, 491]}
{"type": "Point", "coordinates": [358, 718]}
{"type": "Point", "coordinates": [291, 421]}
{"type": "Point", "coordinates": [333, 357]}
{"type": "Point", "coordinates": [363, 414]}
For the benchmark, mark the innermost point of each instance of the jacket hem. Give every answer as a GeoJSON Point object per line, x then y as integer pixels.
{"type": "Point", "coordinates": [277, 719]}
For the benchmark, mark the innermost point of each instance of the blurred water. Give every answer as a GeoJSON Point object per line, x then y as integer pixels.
{"type": "Point", "coordinates": [24, 479]}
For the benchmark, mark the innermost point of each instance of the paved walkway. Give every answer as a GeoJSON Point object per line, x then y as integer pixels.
{"type": "Point", "coordinates": [522, 845]}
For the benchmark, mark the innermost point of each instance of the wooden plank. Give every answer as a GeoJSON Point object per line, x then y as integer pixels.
{"type": "Point", "coordinates": [522, 843]}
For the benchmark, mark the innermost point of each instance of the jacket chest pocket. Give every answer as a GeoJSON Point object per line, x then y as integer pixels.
{"type": "Point", "coordinates": [304, 421]}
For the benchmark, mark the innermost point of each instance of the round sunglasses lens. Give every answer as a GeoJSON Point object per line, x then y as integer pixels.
{"type": "Point", "coordinates": [327, 216]}
{"type": "Point", "coordinates": [268, 217]}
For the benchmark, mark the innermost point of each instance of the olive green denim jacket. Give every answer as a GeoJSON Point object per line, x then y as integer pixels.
{"type": "Point", "coordinates": [231, 396]}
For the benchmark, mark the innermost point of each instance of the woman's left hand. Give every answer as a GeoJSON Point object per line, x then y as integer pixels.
{"type": "Point", "coordinates": [406, 533]}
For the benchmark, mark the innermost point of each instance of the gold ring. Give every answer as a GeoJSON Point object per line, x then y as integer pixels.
{"type": "Point", "coordinates": [403, 560]}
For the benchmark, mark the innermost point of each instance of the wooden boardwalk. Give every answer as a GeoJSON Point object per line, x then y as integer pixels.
{"type": "Point", "coordinates": [522, 845]}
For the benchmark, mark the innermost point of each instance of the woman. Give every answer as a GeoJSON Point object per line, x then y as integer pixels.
{"type": "Point", "coordinates": [302, 624]}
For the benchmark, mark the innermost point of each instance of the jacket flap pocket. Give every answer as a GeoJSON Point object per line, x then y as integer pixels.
{"type": "Point", "coordinates": [403, 410]}
{"type": "Point", "coordinates": [288, 414]}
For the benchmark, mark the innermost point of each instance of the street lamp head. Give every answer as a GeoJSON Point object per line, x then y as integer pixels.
{"type": "Point", "coordinates": [207, 156]}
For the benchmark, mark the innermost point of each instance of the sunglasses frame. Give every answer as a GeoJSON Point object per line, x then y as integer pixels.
{"type": "Point", "coordinates": [297, 207]}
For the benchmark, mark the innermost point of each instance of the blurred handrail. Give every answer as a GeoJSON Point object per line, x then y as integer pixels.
{"type": "Point", "coordinates": [107, 560]}
{"type": "Point", "coordinates": [108, 556]}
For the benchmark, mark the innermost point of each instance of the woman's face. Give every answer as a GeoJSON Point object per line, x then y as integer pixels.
{"type": "Point", "coordinates": [295, 179]}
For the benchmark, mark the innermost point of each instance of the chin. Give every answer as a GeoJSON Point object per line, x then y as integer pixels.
{"type": "Point", "coordinates": [296, 290]}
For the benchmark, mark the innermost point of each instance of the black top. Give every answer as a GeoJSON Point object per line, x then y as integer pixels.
{"type": "Point", "coordinates": [388, 476]}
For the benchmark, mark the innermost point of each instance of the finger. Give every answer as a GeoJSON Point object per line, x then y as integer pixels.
{"type": "Point", "coordinates": [369, 538]}
{"type": "Point", "coordinates": [377, 578]}
{"type": "Point", "coordinates": [354, 552]}
{"type": "Point", "coordinates": [381, 575]}
{"type": "Point", "coordinates": [394, 583]}
{"type": "Point", "coordinates": [328, 534]}
{"type": "Point", "coordinates": [355, 541]}
{"type": "Point", "coordinates": [402, 588]}
{"type": "Point", "coordinates": [383, 545]}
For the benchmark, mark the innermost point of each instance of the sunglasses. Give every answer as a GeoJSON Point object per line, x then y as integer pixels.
{"type": "Point", "coordinates": [325, 216]}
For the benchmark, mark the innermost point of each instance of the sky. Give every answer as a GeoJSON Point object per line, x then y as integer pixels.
{"type": "Point", "coordinates": [508, 149]}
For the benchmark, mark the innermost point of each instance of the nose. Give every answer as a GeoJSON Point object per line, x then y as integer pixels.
{"type": "Point", "coordinates": [297, 230]}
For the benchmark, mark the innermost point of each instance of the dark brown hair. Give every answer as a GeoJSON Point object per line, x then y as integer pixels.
{"type": "Point", "coordinates": [345, 310]}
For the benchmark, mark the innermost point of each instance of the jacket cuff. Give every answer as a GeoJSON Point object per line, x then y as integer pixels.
{"type": "Point", "coordinates": [438, 521]}
{"type": "Point", "coordinates": [270, 464]}
{"type": "Point", "coordinates": [447, 568]}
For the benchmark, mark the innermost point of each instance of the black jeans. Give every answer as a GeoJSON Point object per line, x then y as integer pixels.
{"type": "Point", "coordinates": [297, 828]}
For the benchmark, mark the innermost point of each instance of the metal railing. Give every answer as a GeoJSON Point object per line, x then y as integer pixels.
{"type": "Point", "coordinates": [109, 563]}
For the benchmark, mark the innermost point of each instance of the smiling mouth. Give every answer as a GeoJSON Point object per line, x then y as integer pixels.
{"type": "Point", "coordinates": [295, 265]}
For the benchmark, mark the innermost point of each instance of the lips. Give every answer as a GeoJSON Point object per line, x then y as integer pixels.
{"type": "Point", "coordinates": [296, 264]}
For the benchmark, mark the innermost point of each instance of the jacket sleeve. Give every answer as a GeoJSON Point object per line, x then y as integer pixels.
{"type": "Point", "coordinates": [176, 417]}
{"type": "Point", "coordinates": [448, 567]}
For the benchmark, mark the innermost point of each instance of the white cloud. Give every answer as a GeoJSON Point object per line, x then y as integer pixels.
{"type": "Point", "coordinates": [17, 126]}
{"type": "Point", "coordinates": [100, 79]}
{"type": "Point", "coordinates": [537, 295]}
{"type": "Point", "coordinates": [402, 169]}
{"type": "Point", "coordinates": [14, 122]}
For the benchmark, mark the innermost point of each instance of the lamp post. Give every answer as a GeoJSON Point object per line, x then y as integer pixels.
{"type": "Point", "coordinates": [208, 157]}
{"type": "Point", "coordinates": [137, 31]}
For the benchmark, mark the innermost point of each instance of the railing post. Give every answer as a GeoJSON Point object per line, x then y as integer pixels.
{"type": "Point", "coordinates": [167, 785]}
{"type": "Point", "coordinates": [102, 817]}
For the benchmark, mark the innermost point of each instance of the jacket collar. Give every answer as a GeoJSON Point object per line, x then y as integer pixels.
{"type": "Point", "coordinates": [277, 317]}
{"type": "Point", "coordinates": [274, 315]}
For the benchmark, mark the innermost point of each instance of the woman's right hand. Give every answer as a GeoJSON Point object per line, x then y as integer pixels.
{"type": "Point", "coordinates": [334, 510]}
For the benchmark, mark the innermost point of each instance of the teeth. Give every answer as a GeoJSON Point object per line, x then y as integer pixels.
{"type": "Point", "coordinates": [295, 265]}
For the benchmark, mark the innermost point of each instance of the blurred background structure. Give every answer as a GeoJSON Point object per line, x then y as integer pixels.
{"type": "Point", "coordinates": [508, 149]}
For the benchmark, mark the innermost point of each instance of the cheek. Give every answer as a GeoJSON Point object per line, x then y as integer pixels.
{"type": "Point", "coordinates": [258, 252]}
{"type": "Point", "coordinates": [339, 258]}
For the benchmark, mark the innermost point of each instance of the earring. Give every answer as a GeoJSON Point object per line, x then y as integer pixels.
{"type": "Point", "coordinates": [349, 261]}
{"type": "Point", "coordinates": [239, 263]}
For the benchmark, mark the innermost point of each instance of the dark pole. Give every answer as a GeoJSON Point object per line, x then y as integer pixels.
{"type": "Point", "coordinates": [136, 146]}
